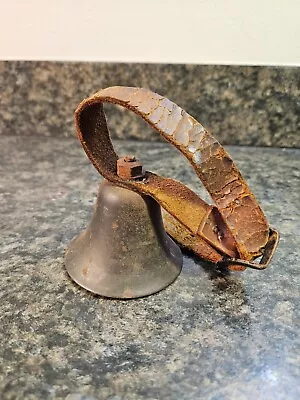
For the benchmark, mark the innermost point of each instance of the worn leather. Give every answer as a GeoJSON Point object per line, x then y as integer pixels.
{"type": "Point", "coordinates": [235, 228]}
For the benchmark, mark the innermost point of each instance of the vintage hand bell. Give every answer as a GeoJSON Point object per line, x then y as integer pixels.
{"type": "Point", "coordinates": [125, 251]}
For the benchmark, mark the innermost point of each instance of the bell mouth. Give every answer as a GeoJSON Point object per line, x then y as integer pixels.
{"type": "Point", "coordinates": [125, 251]}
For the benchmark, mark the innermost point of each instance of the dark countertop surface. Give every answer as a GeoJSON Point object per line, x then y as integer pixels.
{"type": "Point", "coordinates": [207, 336]}
{"type": "Point", "coordinates": [240, 105]}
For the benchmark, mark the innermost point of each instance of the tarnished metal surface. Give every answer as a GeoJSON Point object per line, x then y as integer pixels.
{"type": "Point", "coordinates": [236, 228]}
{"type": "Point", "coordinates": [129, 168]}
{"type": "Point", "coordinates": [124, 252]}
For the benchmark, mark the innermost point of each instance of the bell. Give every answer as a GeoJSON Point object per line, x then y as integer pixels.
{"type": "Point", "coordinates": [124, 252]}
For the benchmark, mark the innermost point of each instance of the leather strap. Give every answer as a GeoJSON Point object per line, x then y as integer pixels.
{"type": "Point", "coordinates": [234, 230]}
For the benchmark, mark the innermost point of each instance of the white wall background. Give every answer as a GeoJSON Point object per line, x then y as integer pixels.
{"type": "Point", "coordinates": [262, 32]}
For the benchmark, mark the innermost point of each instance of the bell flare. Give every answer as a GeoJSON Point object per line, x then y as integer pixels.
{"type": "Point", "coordinates": [125, 251]}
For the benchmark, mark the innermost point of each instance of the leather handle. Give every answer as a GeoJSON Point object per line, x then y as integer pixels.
{"type": "Point", "coordinates": [236, 228]}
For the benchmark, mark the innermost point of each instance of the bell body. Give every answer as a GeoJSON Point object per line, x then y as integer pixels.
{"type": "Point", "coordinates": [125, 251]}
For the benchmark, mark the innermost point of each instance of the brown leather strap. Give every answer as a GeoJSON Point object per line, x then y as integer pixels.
{"type": "Point", "coordinates": [235, 229]}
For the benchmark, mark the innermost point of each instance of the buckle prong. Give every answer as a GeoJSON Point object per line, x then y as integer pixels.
{"type": "Point", "coordinates": [268, 253]}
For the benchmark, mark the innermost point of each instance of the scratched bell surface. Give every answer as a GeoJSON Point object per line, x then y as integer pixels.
{"type": "Point", "coordinates": [207, 336]}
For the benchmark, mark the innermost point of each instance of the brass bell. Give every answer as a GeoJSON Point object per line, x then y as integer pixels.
{"type": "Point", "coordinates": [124, 252]}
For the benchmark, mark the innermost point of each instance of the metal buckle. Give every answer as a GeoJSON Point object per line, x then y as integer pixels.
{"type": "Point", "coordinates": [268, 253]}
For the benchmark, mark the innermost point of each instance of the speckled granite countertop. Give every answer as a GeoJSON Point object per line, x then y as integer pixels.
{"type": "Point", "coordinates": [242, 105]}
{"type": "Point", "coordinates": [207, 336]}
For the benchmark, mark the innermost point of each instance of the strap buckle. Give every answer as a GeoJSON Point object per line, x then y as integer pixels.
{"type": "Point", "coordinates": [268, 253]}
